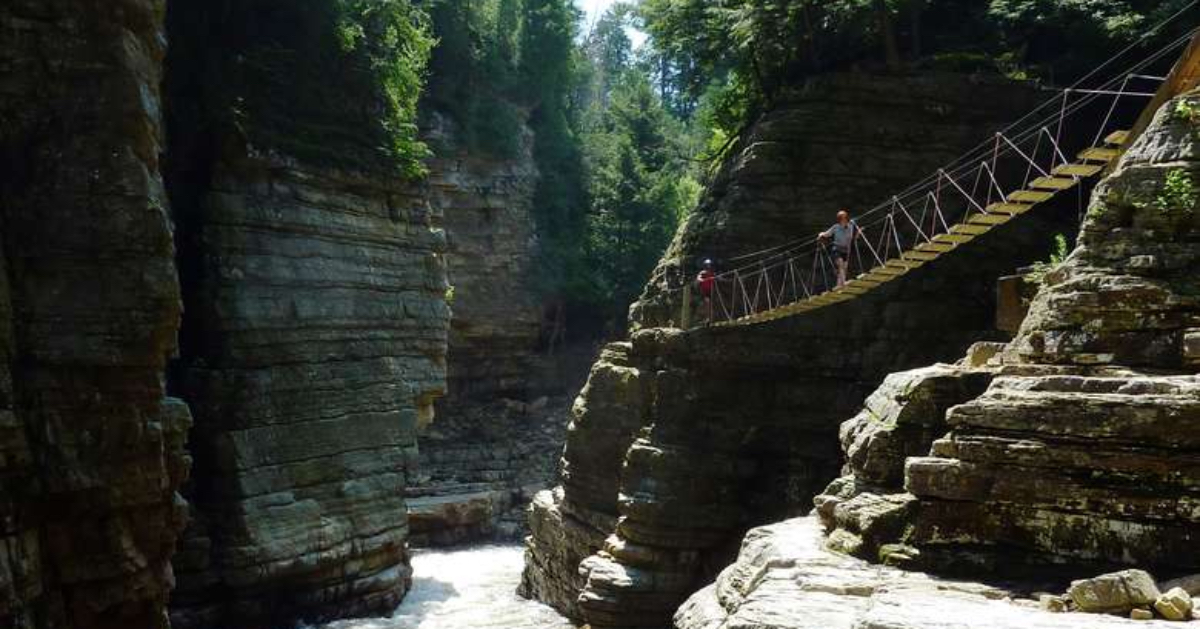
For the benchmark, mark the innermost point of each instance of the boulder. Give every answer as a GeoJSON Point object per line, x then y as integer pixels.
{"type": "Point", "coordinates": [1114, 593]}
{"type": "Point", "coordinates": [1174, 604]}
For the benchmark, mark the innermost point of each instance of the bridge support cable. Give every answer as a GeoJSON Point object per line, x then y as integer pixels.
{"type": "Point", "coordinates": [1016, 170]}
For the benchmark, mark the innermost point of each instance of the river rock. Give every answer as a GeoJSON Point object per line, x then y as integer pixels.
{"type": "Point", "coordinates": [1174, 604]}
{"type": "Point", "coordinates": [1189, 584]}
{"type": "Point", "coordinates": [1115, 593]}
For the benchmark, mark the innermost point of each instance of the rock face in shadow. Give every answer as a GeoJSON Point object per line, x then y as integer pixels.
{"type": "Point", "coordinates": [91, 449]}
{"type": "Point", "coordinates": [316, 339]}
{"type": "Point", "coordinates": [692, 438]}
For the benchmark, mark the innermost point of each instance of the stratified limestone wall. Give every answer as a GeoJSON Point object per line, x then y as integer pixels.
{"type": "Point", "coordinates": [91, 449]}
{"type": "Point", "coordinates": [316, 337]}
{"type": "Point", "coordinates": [690, 438]}
{"type": "Point", "coordinates": [1097, 457]}
{"type": "Point", "coordinates": [487, 207]}
{"type": "Point", "coordinates": [497, 437]}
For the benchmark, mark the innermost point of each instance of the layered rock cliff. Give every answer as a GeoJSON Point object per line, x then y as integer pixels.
{"type": "Point", "coordinates": [681, 441]}
{"type": "Point", "coordinates": [501, 424]}
{"type": "Point", "coordinates": [316, 343]}
{"type": "Point", "coordinates": [91, 449]}
{"type": "Point", "coordinates": [314, 337]}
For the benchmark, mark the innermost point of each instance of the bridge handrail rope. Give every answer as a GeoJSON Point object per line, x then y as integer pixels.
{"type": "Point", "coordinates": [950, 214]}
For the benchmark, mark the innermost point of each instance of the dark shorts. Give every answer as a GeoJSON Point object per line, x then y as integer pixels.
{"type": "Point", "coordinates": [837, 254]}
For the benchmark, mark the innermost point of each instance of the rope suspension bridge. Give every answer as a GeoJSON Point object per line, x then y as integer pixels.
{"type": "Point", "coordinates": [1052, 150]}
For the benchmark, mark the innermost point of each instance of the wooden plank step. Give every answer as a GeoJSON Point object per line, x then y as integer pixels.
{"type": "Point", "coordinates": [828, 299]}
{"type": "Point", "coordinates": [889, 271]}
{"type": "Point", "coordinates": [1077, 170]}
{"type": "Point", "coordinates": [1098, 154]}
{"type": "Point", "coordinates": [970, 229]}
{"type": "Point", "coordinates": [855, 290]}
{"type": "Point", "coordinates": [866, 280]}
{"type": "Point", "coordinates": [923, 256]}
{"type": "Point", "coordinates": [1030, 196]}
{"type": "Point", "coordinates": [954, 239]}
{"type": "Point", "coordinates": [1009, 208]}
{"type": "Point", "coordinates": [990, 219]}
{"type": "Point", "coordinates": [859, 282]}
{"type": "Point", "coordinates": [1054, 183]}
{"type": "Point", "coordinates": [937, 246]}
{"type": "Point", "coordinates": [1117, 138]}
{"type": "Point", "coordinates": [877, 276]}
{"type": "Point", "coordinates": [883, 279]}
{"type": "Point", "coordinates": [905, 264]}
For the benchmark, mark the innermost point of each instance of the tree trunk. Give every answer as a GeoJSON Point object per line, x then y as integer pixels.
{"type": "Point", "coordinates": [888, 32]}
{"type": "Point", "coordinates": [917, 8]}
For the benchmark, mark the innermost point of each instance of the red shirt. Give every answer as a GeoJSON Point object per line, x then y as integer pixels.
{"type": "Point", "coordinates": [707, 279]}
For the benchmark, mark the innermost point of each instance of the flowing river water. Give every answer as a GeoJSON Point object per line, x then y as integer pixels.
{"type": "Point", "coordinates": [471, 588]}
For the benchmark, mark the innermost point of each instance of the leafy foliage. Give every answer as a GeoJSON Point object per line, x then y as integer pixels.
{"type": "Point", "coordinates": [741, 55]}
{"type": "Point", "coordinates": [640, 190]}
{"type": "Point", "coordinates": [1057, 257]}
{"type": "Point", "coordinates": [1178, 193]}
{"type": "Point", "coordinates": [473, 72]}
{"type": "Point", "coordinates": [330, 81]}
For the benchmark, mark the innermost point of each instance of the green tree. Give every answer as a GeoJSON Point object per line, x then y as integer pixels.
{"type": "Point", "coordinates": [640, 189]}
{"type": "Point", "coordinates": [548, 74]}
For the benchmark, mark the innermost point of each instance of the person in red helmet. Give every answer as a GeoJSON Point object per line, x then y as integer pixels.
{"type": "Point", "coordinates": [706, 281]}
{"type": "Point", "coordinates": [843, 233]}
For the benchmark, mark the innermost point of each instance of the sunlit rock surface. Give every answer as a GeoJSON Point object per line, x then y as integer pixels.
{"type": "Point", "coordinates": [784, 578]}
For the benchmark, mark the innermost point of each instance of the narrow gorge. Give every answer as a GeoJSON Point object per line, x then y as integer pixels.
{"type": "Point", "coordinates": [318, 313]}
